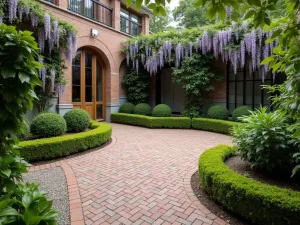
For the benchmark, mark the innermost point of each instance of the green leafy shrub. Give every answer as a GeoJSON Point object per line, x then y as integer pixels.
{"type": "Point", "coordinates": [24, 131]}
{"type": "Point", "coordinates": [48, 125]}
{"type": "Point", "coordinates": [136, 86]}
{"type": "Point", "coordinates": [257, 202]}
{"type": "Point", "coordinates": [219, 126]}
{"type": "Point", "coordinates": [50, 148]}
{"type": "Point", "coordinates": [143, 109]}
{"type": "Point", "coordinates": [151, 122]}
{"type": "Point", "coordinates": [162, 110]}
{"type": "Point", "coordinates": [264, 141]}
{"type": "Point", "coordinates": [126, 107]}
{"type": "Point", "coordinates": [77, 120]}
{"type": "Point", "coordinates": [218, 112]}
{"type": "Point", "coordinates": [241, 111]}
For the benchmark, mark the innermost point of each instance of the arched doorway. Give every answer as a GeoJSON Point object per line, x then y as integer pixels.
{"type": "Point", "coordinates": [88, 83]}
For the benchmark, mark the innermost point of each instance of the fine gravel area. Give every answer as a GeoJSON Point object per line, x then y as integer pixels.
{"type": "Point", "coordinates": [53, 181]}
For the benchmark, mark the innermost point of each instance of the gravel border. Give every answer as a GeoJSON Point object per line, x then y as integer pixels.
{"type": "Point", "coordinates": [53, 180]}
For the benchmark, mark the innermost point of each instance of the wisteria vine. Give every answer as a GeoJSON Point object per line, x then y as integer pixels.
{"type": "Point", "coordinates": [234, 44]}
{"type": "Point", "coordinates": [50, 31]}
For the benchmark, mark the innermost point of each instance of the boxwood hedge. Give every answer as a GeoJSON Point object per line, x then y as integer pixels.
{"type": "Point", "coordinates": [151, 122]}
{"type": "Point", "coordinates": [218, 126]}
{"type": "Point", "coordinates": [50, 148]}
{"type": "Point", "coordinates": [257, 202]}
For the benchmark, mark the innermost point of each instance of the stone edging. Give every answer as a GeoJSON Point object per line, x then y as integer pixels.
{"type": "Point", "coordinates": [76, 212]}
{"type": "Point", "coordinates": [189, 191]}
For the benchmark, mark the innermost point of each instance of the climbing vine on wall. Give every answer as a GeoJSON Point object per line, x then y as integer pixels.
{"type": "Point", "coordinates": [230, 43]}
{"type": "Point", "coordinates": [53, 37]}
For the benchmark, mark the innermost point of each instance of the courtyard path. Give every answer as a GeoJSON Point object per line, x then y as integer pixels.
{"type": "Point", "coordinates": [142, 177]}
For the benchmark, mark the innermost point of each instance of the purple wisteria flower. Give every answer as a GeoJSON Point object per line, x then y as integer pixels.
{"type": "Point", "coordinates": [27, 11]}
{"type": "Point", "coordinates": [12, 9]}
{"type": "Point", "coordinates": [216, 46]}
{"type": "Point", "coordinates": [41, 40]}
{"type": "Point", "coordinates": [229, 10]}
{"type": "Point", "coordinates": [43, 77]}
{"type": "Point", "coordinates": [1, 20]}
{"type": "Point", "coordinates": [143, 59]}
{"type": "Point", "coordinates": [253, 48]}
{"type": "Point", "coordinates": [20, 12]}
{"type": "Point", "coordinates": [60, 89]}
{"type": "Point", "coordinates": [47, 26]}
{"type": "Point", "coordinates": [34, 20]}
{"type": "Point", "coordinates": [243, 53]}
{"type": "Point", "coordinates": [245, 25]}
{"type": "Point", "coordinates": [52, 77]}
{"type": "Point", "coordinates": [161, 59]}
{"type": "Point", "coordinates": [206, 43]}
{"type": "Point", "coordinates": [190, 48]}
{"type": "Point", "coordinates": [41, 61]}
{"type": "Point", "coordinates": [51, 42]}
{"type": "Point", "coordinates": [127, 59]}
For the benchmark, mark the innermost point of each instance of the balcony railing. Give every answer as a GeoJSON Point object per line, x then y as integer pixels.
{"type": "Point", "coordinates": [92, 9]}
{"type": "Point", "coordinates": [130, 27]}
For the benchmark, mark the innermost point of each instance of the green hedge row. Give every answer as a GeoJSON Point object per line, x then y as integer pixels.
{"type": "Point", "coordinates": [260, 203]}
{"type": "Point", "coordinates": [219, 126]}
{"type": "Point", "coordinates": [151, 122]}
{"type": "Point", "coordinates": [50, 148]}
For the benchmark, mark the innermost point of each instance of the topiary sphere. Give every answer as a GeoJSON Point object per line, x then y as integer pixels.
{"type": "Point", "coordinates": [218, 112]}
{"type": "Point", "coordinates": [143, 109]}
{"type": "Point", "coordinates": [162, 110]}
{"type": "Point", "coordinates": [77, 120]}
{"type": "Point", "coordinates": [48, 125]}
{"type": "Point", "coordinates": [127, 107]}
{"type": "Point", "coordinates": [241, 111]}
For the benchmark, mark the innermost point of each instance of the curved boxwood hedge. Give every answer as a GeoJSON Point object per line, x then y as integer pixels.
{"type": "Point", "coordinates": [151, 122]}
{"type": "Point", "coordinates": [218, 126]}
{"type": "Point", "coordinates": [260, 203]}
{"type": "Point", "coordinates": [50, 148]}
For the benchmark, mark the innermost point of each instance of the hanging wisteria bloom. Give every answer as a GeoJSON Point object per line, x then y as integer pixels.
{"type": "Point", "coordinates": [216, 46]}
{"type": "Point", "coordinates": [27, 11]}
{"type": "Point", "coordinates": [253, 49]}
{"type": "Point", "coordinates": [41, 40]}
{"type": "Point", "coordinates": [43, 77]}
{"type": "Point", "coordinates": [258, 56]}
{"type": "Point", "coordinates": [127, 59]}
{"type": "Point", "coordinates": [34, 20]}
{"type": "Point", "coordinates": [260, 34]}
{"type": "Point", "coordinates": [41, 61]}
{"type": "Point", "coordinates": [266, 55]}
{"type": "Point", "coordinates": [20, 12]}
{"type": "Point", "coordinates": [137, 66]}
{"type": "Point", "coordinates": [60, 89]}
{"type": "Point", "coordinates": [52, 77]}
{"type": "Point", "coordinates": [161, 59]}
{"type": "Point", "coordinates": [74, 43]}
{"type": "Point", "coordinates": [12, 9]}
{"type": "Point", "coordinates": [68, 51]}
{"type": "Point", "coordinates": [248, 42]}
{"type": "Point", "coordinates": [243, 53]}
{"type": "Point", "coordinates": [245, 25]}
{"type": "Point", "coordinates": [47, 26]}
{"type": "Point", "coordinates": [190, 48]}
{"type": "Point", "coordinates": [136, 47]}
{"type": "Point", "coordinates": [234, 60]}
{"type": "Point", "coordinates": [143, 59]}
{"type": "Point", "coordinates": [51, 43]}
{"type": "Point", "coordinates": [1, 20]}
{"type": "Point", "coordinates": [55, 30]}
{"type": "Point", "coordinates": [206, 43]}
{"type": "Point", "coordinates": [229, 10]}
{"type": "Point", "coordinates": [178, 54]}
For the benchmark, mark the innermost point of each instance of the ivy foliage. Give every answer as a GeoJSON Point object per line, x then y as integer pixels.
{"type": "Point", "coordinates": [19, 204]}
{"type": "Point", "coordinates": [195, 77]}
{"type": "Point", "coordinates": [136, 86]}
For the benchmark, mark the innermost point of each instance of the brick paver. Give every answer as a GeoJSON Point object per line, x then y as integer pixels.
{"type": "Point", "coordinates": [143, 178]}
{"type": "Point", "coordinates": [139, 180]}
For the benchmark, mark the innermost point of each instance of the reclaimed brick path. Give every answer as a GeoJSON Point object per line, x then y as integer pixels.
{"type": "Point", "coordinates": [143, 177]}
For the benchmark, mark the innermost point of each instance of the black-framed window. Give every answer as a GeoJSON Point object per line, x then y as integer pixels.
{"type": "Point", "coordinates": [130, 23]}
{"type": "Point", "coordinates": [245, 88]}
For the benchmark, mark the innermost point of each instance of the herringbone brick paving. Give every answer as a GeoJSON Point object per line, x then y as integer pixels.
{"type": "Point", "coordinates": [139, 180]}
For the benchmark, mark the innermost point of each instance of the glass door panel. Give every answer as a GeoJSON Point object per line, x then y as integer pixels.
{"type": "Point", "coordinates": [99, 83]}
{"type": "Point", "coordinates": [88, 78]}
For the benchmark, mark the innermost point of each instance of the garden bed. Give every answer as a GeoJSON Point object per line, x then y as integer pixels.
{"type": "Point", "coordinates": [254, 201]}
{"type": "Point", "coordinates": [50, 148]}
{"type": "Point", "coordinates": [279, 179]}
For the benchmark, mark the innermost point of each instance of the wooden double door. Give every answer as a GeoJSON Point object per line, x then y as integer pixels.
{"type": "Point", "coordinates": [88, 84]}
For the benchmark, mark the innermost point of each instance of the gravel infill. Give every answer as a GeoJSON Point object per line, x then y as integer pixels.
{"type": "Point", "coordinates": [53, 181]}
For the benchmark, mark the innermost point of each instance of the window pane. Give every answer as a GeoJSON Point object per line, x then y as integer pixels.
{"type": "Point", "coordinates": [76, 6]}
{"type": "Point", "coordinates": [124, 25]}
{"type": "Point", "coordinates": [135, 18]}
{"type": "Point", "coordinates": [257, 94]}
{"type": "Point", "coordinates": [124, 13]}
{"type": "Point", "coordinates": [99, 112]}
{"type": "Point", "coordinates": [76, 79]}
{"type": "Point", "coordinates": [99, 83]}
{"type": "Point", "coordinates": [89, 9]}
{"type": "Point", "coordinates": [88, 78]}
{"type": "Point", "coordinates": [249, 93]}
{"type": "Point", "coordinates": [135, 29]}
{"type": "Point", "coordinates": [239, 93]}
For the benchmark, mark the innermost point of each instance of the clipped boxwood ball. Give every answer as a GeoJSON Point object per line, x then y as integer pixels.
{"type": "Point", "coordinates": [162, 110]}
{"type": "Point", "coordinates": [218, 112]}
{"type": "Point", "coordinates": [127, 107]}
{"type": "Point", "coordinates": [143, 109]}
{"type": "Point", "coordinates": [48, 125]}
{"type": "Point", "coordinates": [77, 120]}
{"type": "Point", "coordinates": [241, 111]}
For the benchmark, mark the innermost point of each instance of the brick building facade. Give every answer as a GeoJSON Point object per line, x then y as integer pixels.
{"type": "Point", "coordinates": [93, 78]}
